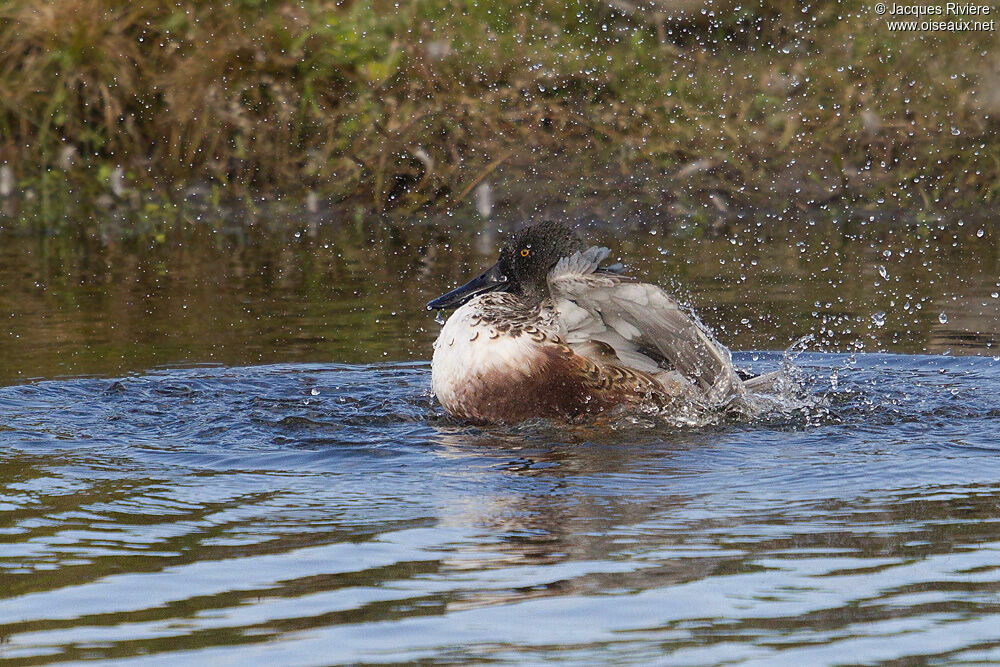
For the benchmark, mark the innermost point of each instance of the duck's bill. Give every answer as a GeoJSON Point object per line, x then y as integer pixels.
{"type": "Point", "coordinates": [489, 280]}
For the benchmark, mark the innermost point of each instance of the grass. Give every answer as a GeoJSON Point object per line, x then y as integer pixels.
{"type": "Point", "coordinates": [410, 107]}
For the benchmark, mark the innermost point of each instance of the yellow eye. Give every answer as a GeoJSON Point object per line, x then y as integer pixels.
{"type": "Point", "coordinates": [525, 252]}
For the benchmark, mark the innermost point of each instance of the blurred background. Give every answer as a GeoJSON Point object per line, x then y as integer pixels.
{"type": "Point", "coordinates": [410, 105]}
{"type": "Point", "coordinates": [265, 181]}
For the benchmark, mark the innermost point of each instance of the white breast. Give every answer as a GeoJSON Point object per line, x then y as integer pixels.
{"type": "Point", "coordinates": [469, 355]}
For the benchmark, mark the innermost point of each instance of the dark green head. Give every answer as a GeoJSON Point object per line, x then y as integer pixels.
{"type": "Point", "coordinates": [526, 258]}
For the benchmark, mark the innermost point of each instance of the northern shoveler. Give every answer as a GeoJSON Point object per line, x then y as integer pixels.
{"type": "Point", "coordinates": [549, 332]}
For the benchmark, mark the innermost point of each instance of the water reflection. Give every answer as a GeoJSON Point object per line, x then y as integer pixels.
{"type": "Point", "coordinates": [206, 292]}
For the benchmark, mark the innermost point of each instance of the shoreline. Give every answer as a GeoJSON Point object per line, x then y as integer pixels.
{"type": "Point", "coordinates": [409, 110]}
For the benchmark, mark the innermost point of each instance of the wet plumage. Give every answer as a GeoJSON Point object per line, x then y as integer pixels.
{"type": "Point", "coordinates": [549, 332]}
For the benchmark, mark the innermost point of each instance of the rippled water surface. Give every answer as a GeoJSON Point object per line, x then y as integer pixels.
{"type": "Point", "coordinates": [222, 449]}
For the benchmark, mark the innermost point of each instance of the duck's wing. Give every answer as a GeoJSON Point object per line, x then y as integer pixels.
{"type": "Point", "coordinates": [647, 328]}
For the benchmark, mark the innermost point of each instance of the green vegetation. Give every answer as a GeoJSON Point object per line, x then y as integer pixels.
{"type": "Point", "coordinates": [412, 106]}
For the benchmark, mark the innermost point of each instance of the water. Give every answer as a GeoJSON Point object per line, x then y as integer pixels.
{"type": "Point", "coordinates": [210, 291]}
{"type": "Point", "coordinates": [214, 489]}
{"type": "Point", "coordinates": [328, 513]}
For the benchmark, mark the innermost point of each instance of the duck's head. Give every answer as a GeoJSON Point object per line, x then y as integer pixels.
{"type": "Point", "coordinates": [522, 269]}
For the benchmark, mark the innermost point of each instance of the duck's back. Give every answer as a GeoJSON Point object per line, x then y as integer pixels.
{"type": "Point", "coordinates": [644, 326]}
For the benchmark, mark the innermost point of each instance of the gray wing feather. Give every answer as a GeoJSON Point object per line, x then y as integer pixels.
{"type": "Point", "coordinates": [647, 328]}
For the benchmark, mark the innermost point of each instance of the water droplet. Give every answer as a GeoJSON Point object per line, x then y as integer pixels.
{"type": "Point", "coordinates": [314, 391]}
{"type": "Point", "coordinates": [439, 317]}
{"type": "Point", "coordinates": [943, 318]}
{"type": "Point", "coordinates": [878, 319]}
{"type": "Point", "coordinates": [884, 272]}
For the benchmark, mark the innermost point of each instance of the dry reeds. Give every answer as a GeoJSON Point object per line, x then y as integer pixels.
{"type": "Point", "coordinates": [408, 105]}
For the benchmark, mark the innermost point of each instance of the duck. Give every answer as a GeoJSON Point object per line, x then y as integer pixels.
{"type": "Point", "coordinates": [552, 331]}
